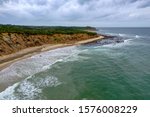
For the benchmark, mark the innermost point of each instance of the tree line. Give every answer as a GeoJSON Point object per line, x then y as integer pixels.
{"type": "Point", "coordinates": [45, 30]}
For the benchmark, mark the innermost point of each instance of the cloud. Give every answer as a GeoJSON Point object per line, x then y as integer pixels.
{"type": "Point", "coordinates": [49, 11]}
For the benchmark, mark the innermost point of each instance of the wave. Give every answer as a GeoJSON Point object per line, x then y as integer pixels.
{"type": "Point", "coordinates": [126, 42]}
{"type": "Point", "coordinates": [137, 36]}
{"type": "Point", "coordinates": [116, 34]}
{"type": "Point", "coordinates": [123, 35]}
{"type": "Point", "coordinates": [37, 63]}
{"type": "Point", "coordinates": [28, 89]}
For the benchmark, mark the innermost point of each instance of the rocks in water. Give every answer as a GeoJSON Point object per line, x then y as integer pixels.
{"type": "Point", "coordinates": [107, 40]}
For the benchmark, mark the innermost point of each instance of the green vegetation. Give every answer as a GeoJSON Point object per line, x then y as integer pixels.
{"type": "Point", "coordinates": [45, 30]}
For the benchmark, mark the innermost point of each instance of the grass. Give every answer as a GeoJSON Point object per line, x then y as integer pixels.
{"type": "Point", "coordinates": [45, 30]}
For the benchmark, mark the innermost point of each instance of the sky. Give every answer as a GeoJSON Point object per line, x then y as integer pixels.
{"type": "Point", "coordinates": [99, 13]}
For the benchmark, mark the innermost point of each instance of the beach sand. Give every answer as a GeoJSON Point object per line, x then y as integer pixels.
{"type": "Point", "coordinates": [7, 60]}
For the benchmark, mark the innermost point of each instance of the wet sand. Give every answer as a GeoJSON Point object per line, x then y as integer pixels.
{"type": "Point", "coordinates": [7, 60]}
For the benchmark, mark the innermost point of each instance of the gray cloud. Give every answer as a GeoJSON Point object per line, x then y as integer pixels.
{"type": "Point", "coordinates": [144, 4]}
{"type": "Point", "coordinates": [49, 12]}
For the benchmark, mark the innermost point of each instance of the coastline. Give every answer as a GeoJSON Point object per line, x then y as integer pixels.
{"type": "Point", "coordinates": [7, 60]}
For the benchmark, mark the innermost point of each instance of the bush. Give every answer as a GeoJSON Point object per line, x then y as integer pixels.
{"type": "Point", "coordinates": [44, 30]}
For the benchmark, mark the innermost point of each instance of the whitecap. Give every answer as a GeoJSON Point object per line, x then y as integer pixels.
{"type": "Point", "coordinates": [127, 40]}
{"type": "Point", "coordinates": [36, 63]}
{"type": "Point", "coordinates": [8, 94]}
{"type": "Point", "coordinates": [137, 36]}
{"type": "Point", "coordinates": [28, 89]}
{"type": "Point", "coordinates": [118, 45]}
{"type": "Point", "coordinates": [122, 35]}
{"type": "Point", "coordinates": [46, 67]}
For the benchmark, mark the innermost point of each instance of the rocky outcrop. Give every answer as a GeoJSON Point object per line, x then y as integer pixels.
{"type": "Point", "coordinates": [13, 42]}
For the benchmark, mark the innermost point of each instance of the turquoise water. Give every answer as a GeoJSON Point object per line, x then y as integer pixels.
{"type": "Point", "coordinates": [93, 71]}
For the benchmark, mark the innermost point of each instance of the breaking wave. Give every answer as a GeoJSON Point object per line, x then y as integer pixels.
{"type": "Point", "coordinates": [28, 89]}
{"type": "Point", "coordinates": [30, 66]}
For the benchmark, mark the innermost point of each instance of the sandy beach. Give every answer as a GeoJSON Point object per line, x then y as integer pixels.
{"type": "Point", "coordinates": [7, 60]}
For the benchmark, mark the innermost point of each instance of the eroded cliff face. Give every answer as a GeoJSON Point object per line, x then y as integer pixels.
{"type": "Point", "coordinates": [13, 42]}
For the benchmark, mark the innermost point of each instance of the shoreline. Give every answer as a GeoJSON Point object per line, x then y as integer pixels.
{"type": "Point", "coordinates": [7, 60]}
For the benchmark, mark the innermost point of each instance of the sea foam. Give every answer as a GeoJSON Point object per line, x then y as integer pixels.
{"type": "Point", "coordinates": [28, 67]}
{"type": "Point", "coordinates": [28, 89]}
{"type": "Point", "coordinates": [37, 63]}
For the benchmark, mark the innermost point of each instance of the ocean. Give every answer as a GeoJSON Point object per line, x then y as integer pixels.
{"type": "Point", "coordinates": [117, 68]}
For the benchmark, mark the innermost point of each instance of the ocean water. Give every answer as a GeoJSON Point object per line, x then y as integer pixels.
{"type": "Point", "coordinates": [113, 69]}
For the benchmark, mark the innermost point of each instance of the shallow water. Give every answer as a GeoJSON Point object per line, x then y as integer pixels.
{"type": "Point", "coordinates": [94, 71]}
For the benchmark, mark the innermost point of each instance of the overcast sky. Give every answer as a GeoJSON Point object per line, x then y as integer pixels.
{"type": "Point", "coordinates": [104, 13]}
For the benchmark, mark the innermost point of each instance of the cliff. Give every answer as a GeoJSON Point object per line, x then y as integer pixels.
{"type": "Point", "coordinates": [14, 42]}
